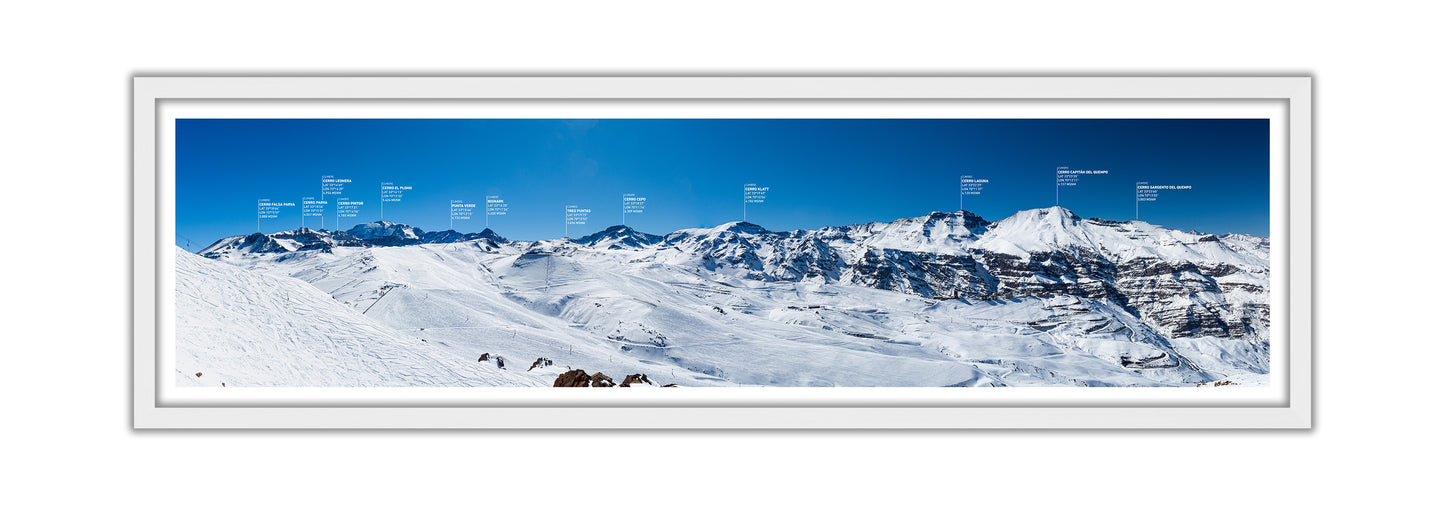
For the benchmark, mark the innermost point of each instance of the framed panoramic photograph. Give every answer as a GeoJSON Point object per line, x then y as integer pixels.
{"type": "Point", "coordinates": [722, 252]}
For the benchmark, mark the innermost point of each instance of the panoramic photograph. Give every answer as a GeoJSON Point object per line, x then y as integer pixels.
{"type": "Point", "coordinates": [722, 253]}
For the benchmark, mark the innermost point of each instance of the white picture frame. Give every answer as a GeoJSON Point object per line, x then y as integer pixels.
{"type": "Point", "coordinates": [413, 409]}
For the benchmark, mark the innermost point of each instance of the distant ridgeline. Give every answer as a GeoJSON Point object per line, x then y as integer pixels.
{"type": "Point", "coordinates": [381, 233]}
{"type": "Point", "coordinates": [1183, 284]}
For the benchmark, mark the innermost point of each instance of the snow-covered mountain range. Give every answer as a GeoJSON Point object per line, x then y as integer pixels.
{"type": "Point", "coordinates": [1042, 297]}
{"type": "Point", "coordinates": [381, 233]}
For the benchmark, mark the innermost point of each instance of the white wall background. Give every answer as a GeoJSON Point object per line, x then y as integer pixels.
{"type": "Point", "coordinates": [64, 361]}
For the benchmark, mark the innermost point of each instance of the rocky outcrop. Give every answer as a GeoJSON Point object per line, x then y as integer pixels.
{"type": "Point", "coordinates": [921, 273]}
{"type": "Point", "coordinates": [579, 378]}
{"type": "Point", "coordinates": [573, 378]}
{"type": "Point", "coordinates": [635, 378]}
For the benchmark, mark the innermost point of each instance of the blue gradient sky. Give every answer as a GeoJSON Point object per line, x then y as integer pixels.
{"type": "Point", "coordinates": [820, 171]}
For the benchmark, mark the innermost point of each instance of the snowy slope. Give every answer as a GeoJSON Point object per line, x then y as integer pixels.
{"type": "Point", "coordinates": [694, 328]}
{"type": "Point", "coordinates": [245, 328]}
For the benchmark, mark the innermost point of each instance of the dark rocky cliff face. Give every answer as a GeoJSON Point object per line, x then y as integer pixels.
{"type": "Point", "coordinates": [1178, 299]}
{"type": "Point", "coordinates": [920, 273]}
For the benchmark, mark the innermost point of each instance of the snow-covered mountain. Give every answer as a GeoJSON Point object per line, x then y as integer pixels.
{"type": "Point", "coordinates": [281, 242]}
{"type": "Point", "coordinates": [385, 233]}
{"type": "Point", "coordinates": [619, 237]}
{"type": "Point", "coordinates": [1184, 284]}
{"type": "Point", "coordinates": [1042, 297]}
{"type": "Point", "coordinates": [378, 233]}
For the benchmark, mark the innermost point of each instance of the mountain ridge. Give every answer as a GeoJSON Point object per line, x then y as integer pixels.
{"type": "Point", "coordinates": [386, 233]}
{"type": "Point", "coordinates": [1043, 297]}
{"type": "Point", "coordinates": [372, 234]}
{"type": "Point", "coordinates": [1184, 284]}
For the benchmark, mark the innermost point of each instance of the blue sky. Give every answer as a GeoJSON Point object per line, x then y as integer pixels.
{"type": "Point", "coordinates": [819, 171]}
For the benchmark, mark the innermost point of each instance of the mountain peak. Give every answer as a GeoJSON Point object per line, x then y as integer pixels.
{"type": "Point", "coordinates": [616, 236]}
{"type": "Point", "coordinates": [974, 223]}
{"type": "Point", "coordinates": [1041, 218]}
{"type": "Point", "coordinates": [936, 231]}
{"type": "Point", "coordinates": [1056, 210]}
{"type": "Point", "coordinates": [617, 229]}
{"type": "Point", "coordinates": [741, 227]}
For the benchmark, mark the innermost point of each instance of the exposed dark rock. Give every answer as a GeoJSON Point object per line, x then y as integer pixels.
{"type": "Point", "coordinates": [635, 378]}
{"type": "Point", "coordinates": [579, 378]}
{"type": "Point", "coordinates": [541, 362]}
{"type": "Point", "coordinates": [573, 378]}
